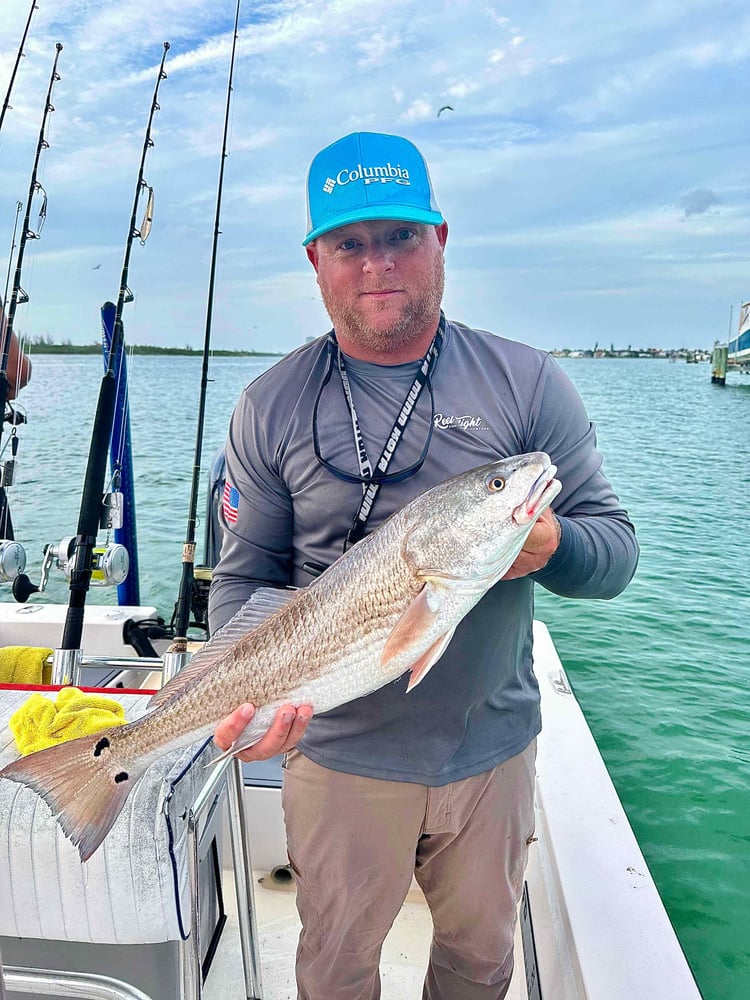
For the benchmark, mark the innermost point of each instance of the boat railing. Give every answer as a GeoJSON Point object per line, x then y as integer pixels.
{"type": "Point", "coordinates": [231, 772]}
{"type": "Point", "coordinates": [57, 982]}
{"type": "Point", "coordinates": [68, 664]}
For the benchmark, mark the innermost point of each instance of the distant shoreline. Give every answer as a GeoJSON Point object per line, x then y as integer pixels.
{"type": "Point", "coordinates": [35, 349]}
{"type": "Point", "coordinates": [689, 356]}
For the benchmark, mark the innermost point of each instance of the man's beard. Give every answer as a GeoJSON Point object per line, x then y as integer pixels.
{"type": "Point", "coordinates": [417, 312]}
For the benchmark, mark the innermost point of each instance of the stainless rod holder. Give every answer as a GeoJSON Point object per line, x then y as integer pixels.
{"type": "Point", "coordinates": [66, 666]}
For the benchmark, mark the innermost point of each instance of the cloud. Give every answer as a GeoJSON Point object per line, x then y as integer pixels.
{"type": "Point", "coordinates": [463, 88]}
{"type": "Point", "coordinates": [418, 110]}
{"type": "Point", "coordinates": [698, 201]}
{"type": "Point", "coordinates": [376, 48]}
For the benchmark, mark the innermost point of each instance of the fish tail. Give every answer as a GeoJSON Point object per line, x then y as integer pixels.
{"type": "Point", "coordinates": [82, 783]}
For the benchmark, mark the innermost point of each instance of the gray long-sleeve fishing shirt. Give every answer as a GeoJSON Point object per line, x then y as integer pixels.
{"type": "Point", "coordinates": [283, 509]}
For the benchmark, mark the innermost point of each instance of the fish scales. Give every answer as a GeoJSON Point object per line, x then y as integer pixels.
{"type": "Point", "coordinates": [296, 645]}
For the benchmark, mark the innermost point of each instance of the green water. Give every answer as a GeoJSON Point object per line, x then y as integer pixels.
{"type": "Point", "coordinates": [661, 672]}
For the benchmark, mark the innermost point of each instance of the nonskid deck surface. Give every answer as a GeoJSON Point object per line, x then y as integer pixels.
{"type": "Point", "coordinates": [402, 966]}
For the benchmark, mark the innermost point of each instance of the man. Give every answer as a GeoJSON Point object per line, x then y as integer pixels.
{"type": "Point", "coordinates": [440, 782]}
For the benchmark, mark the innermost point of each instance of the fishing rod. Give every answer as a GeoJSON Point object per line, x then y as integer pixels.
{"type": "Point", "coordinates": [19, 209]}
{"type": "Point", "coordinates": [19, 56]}
{"type": "Point", "coordinates": [19, 296]}
{"type": "Point", "coordinates": [181, 617]}
{"type": "Point", "coordinates": [93, 508]}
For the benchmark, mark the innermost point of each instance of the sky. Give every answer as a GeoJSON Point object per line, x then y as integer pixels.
{"type": "Point", "coordinates": [593, 169]}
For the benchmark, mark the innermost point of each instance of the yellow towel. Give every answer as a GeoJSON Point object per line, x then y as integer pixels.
{"type": "Point", "coordinates": [24, 665]}
{"type": "Point", "coordinates": [41, 723]}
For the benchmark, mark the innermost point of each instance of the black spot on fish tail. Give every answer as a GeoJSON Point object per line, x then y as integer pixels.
{"type": "Point", "coordinates": [80, 786]}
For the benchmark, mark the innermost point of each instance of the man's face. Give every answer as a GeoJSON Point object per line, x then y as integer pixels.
{"type": "Point", "coordinates": [381, 280]}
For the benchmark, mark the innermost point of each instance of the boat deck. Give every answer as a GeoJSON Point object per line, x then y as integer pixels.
{"type": "Point", "coordinates": [402, 967]}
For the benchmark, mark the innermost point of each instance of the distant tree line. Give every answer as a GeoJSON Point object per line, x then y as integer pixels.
{"type": "Point", "coordinates": [44, 344]}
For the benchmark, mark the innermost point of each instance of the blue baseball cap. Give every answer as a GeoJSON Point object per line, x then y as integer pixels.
{"type": "Point", "coordinates": [368, 175]}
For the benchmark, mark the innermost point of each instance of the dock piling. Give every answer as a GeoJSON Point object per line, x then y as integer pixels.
{"type": "Point", "coordinates": [719, 365]}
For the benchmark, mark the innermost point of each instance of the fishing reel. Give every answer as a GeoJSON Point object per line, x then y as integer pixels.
{"type": "Point", "coordinates": [110, 563]}
{"type": "Point", "coordinates": [12, 560]}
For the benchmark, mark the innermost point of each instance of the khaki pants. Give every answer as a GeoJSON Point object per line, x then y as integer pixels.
{"type": "Point", "coordinates": [354, 844]}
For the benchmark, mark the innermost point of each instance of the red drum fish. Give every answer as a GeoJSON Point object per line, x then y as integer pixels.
{"type": "Point", "coordinates": [390, 604]}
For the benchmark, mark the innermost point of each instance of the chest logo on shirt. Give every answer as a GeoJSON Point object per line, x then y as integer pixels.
{"type": "Point", "coordinates": [450, 421]}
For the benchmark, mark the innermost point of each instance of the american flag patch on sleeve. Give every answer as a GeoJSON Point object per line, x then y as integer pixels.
{"type": "Point", "coordinates": [230, 503]}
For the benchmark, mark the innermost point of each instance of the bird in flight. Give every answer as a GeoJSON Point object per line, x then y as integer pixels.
{"type": "Point", "coordinates": [445, 107]}
{"type": "Point", "coordinates": [96, 267]}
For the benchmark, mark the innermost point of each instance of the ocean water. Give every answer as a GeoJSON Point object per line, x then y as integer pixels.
{"type": "Point", "coordinates": [661, 672]}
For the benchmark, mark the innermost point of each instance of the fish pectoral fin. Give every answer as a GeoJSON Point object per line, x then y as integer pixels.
{"type": "Point", "coordinates": [414, 625]}
{"type": "Point", "coordinates": [428, 659]}
{"type": "Point", "coordinates": [418, 618]}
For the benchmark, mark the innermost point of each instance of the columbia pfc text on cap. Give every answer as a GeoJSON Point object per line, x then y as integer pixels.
{"type": "Point", "coordinates": [368, 175]}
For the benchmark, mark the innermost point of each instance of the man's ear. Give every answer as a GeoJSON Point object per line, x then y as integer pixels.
{"type": "Point", "coordinates": [442, 234]}
{"type": "Point", "coordinates": [312, 254]}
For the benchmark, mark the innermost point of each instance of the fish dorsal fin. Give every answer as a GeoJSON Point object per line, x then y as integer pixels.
{"type": "Point", "coordinates": [264, 602]}
{"type": "Point", "coordinates": [418, 619]}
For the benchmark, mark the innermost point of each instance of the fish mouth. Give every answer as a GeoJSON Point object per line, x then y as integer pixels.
{"type": "Point", "coordinates": [543, 491]}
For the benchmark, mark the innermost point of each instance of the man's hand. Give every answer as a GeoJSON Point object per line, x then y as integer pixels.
{"type": "Point", "coordinates": [285, 732]}
{"type": "Point", "coordinates": [539, 548]}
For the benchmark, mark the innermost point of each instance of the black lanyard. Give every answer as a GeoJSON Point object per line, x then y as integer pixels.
{"type": "Point", "coordinates": [372, 479]}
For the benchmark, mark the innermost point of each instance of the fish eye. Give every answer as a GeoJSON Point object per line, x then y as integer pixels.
{"type": "Point", "coordinates": [496, 484]}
